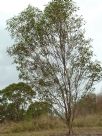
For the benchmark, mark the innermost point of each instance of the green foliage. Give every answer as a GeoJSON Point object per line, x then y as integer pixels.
{"type": "Point", "coordinates": [16, 99]}
{"type": "Point", "coordinates": [2, 111]}
{"type": "Point", "coordinates": [38, 109]}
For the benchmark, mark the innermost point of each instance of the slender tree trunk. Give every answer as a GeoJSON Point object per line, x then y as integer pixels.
{"type": "Point", "coordinates": [69, 123]}
{"type": "Point", "coordinates": [69, 126]}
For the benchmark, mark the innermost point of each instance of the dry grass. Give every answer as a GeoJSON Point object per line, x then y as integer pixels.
{"type": "Point", "coordinates": [37, 133]}
{"type": "Point", "coordinates": [59, 132]}
{"type": "Point", "coordinates": [89, 121]}
{"type": "Point", "coordinates": [47, 126]}
{"type": "Point", "coordinates": [43, 123]}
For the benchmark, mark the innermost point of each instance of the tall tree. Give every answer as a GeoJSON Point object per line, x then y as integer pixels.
{"type": "Point", "coordinates": [53, 55]}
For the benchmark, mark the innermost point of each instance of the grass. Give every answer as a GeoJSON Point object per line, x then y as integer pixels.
{"type": "Point", "coordinates": [36, 133]}
{"type": "Point", "coordinates": [39, 124]}
{"type": "Point", "coordinates": [89, 121]}
{"type": "Point", "coordinates": [51, 126]}
{"type": "Point", "coordinates": [57, 132]}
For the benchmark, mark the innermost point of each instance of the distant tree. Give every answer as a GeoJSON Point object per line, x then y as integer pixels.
{"type": "Point", "coordinates": [3, 106]}
{"type": "Point", "coordinates": [53, 55]}
{"type": "Point", "coordinates": [38, 109]}
{"type": "Point", "coordinates": [2, 111]}
{"type": "Point", "coordinates": [87, 104]}
{"type": "Point", "coordinates": [17, 97]}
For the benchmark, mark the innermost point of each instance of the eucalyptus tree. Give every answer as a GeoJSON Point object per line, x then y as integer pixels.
{"type": "Point", "coordinates": [38, 109]}
{"type": "Point", "coordinates": [53, 55]}
{"type": "Point", "coordinates": [16, 98]}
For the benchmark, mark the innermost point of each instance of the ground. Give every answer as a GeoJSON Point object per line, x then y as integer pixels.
{"type": "Point", "coordinates": [46, 126]}
{"type": "Point", "coordinates": [97, 131]}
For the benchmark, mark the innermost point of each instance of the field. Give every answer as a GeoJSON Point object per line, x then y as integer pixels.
{"type": "Point", "coordinates": [45, 126]}
{"type": "Point", "coordinates": [96, 131]}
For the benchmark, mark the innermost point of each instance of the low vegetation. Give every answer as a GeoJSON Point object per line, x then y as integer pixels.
{"type": "Point", "coordinates": [40, 119]}
{"type": "Point", "coordinates": [89, 121]}
{"type": "Point", "coordinates": [39, 124]}
{"type": "Point", "coordinates": [51, 126]}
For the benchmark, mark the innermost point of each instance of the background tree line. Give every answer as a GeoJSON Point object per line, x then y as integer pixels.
{"type": "Point", "coordinates": [18, 102]}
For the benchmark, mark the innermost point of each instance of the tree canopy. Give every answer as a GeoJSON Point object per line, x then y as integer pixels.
{"type": "Point", "coordinates": [38, 109]}
{"type": "Point", "coordinates": [15, 99]}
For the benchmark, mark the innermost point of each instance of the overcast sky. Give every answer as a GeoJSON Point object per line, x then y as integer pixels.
{"type": "Point", "coordinates": [90, 9]}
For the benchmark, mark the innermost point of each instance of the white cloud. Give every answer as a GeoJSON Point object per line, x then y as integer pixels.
{"type": "Point", "coordinates": [9, 75]}
{"type": "Point", "coordinates": [92, 13]}
{"type": "Point", "coordinates": [14, 6]}
{"type": "Point", "coordinates": [10, 8]}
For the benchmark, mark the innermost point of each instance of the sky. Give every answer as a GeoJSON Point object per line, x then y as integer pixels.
{"type": "Point", "coordinates": [91, 10]}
